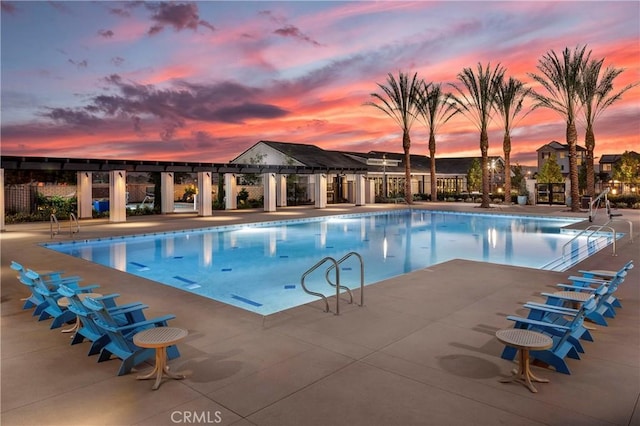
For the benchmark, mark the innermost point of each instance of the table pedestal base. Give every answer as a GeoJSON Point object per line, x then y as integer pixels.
{"type": "Point", "coordinates": [523, 373]}
{"type": "Point", "coordinates": [161, 369]}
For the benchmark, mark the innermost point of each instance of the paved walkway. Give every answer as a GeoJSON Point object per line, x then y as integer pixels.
{"type": "Point", "coordinates": [421, 352]}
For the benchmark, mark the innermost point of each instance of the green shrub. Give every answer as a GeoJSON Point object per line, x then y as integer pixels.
{"type": "Point", "coordinates": [622, 201]}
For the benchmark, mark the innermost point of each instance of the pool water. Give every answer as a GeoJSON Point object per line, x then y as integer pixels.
{"type": "Point", "coordinates": [258, 267]}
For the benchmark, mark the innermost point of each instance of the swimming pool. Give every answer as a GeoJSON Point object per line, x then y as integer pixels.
{"type": "Point", "coordinates": [258, 266]}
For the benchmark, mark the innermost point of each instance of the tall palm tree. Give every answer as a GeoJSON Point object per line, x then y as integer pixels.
{"type": "Point", "coordinates": [477, 104]}
{"type": "Point", "coordinates": [509, 98]}
{"type": "Point", "coordinates": [596, 96]}
{"type": "Point", "coordinates": [435, 110]}
{"type": "Point", "coordinates": [399, 101]}
{"type": "Point", "coordinates": [561, 77]}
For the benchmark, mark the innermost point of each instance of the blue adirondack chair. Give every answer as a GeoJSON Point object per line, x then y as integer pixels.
{"type": "Point", "coordinates": [589, 279]}
{"type": "Point", "coordinates": [89, 330]}
{"type": "Point", "coordinates": [561, 336]}
{"type": "Point", "coordinates": [603, 310]}
{"type": "Point", "coordinates": [51, 279]}
{"type": "Point", "coordinates": [121, 337]}
{"type": "Point", "coordinates": [59, 313]}
{"type": "Point", "coordinates": [555, 313]}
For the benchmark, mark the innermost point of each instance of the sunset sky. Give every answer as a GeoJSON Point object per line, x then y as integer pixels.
{"type": "Point", "coordinates": [204, 81]}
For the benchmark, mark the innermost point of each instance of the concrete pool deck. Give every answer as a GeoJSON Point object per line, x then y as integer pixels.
{"type": "Point", "coordinates": [421, 352]}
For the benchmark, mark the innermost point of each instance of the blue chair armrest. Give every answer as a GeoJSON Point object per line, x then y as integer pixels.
{"type": "Point", "coordinates": [87, 289]}
{"type": "Point", "coordinates": [541, 324]}
{"type": "Point", "coordinates": [577, 288]}
{"type": "Point", "coordinates": [129, 307]}
{"type": "Point", "coordinates": [51, 273]}
{"type": "Point", "coordinates": [585, 280]}
{"type": "Point", "coordinates": [154, 321]}
{"type": "Point", "coordinates": [551, 309]}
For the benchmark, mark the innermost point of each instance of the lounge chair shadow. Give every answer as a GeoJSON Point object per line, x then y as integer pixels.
{"type": "Point", "coordinates": [469, 366]}
{"type": "Point", "coordinates": [208, 368]}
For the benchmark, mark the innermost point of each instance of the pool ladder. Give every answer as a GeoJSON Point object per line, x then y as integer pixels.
{"type": "Point", "coordinates": [55, 225]}
{"type": "Point", "coordinates": [335, 265]}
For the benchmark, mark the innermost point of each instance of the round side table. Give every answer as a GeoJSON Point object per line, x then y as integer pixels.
{"type": "Point", "coordinates": [159, 338]}
{"type": "Point", "coordinates": [524, 341]}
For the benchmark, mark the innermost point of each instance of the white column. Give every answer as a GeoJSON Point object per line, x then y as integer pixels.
{"type": "Point", "coordinates": [117, 196]}
{"type": "Point", "coordinates": [370, 191]}
{"type": "Point", "coordinates": [167, 191]}
{"type": "Point", "coordinates": [321, 190]}
{"type": "Point", "coordinates": [84, 194]}
{"type": "Point", "coordinates": [360, 190]}
{"type": "Point", "coordinates": [281, 191]}
{"type": "Point", "coordinates": [2, 226]}
{"type": "Point", "coordinates": [204, 194]}
{"type": "Point", "coordinates": [230, 192]}
{"type": "Point", "coordinates": [269, 182]}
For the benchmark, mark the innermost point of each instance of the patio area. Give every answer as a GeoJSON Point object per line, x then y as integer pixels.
{"type": "Point", "coordinates": [422, 351]}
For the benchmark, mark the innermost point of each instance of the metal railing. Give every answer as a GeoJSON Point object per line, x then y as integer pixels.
{"type": "Point", "coordinates": [73, 220]}
{"type": "Point", "coordinates": [595, 204]}
{"type": "Point", "coordinates": [593, 229]}
{"type": "Point", "coordinates": [339, 262]}
{"type": "Point", "coordinates": [74, 225]}
{"type": "Point", "coordinates": [54, 221]}
{"type": "Point", "coordinates": [335, 265]}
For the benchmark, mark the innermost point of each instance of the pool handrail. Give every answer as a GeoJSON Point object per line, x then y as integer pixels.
{"type": "Point", "coordinates": [315, 293]}
{"type": "Point", "coordinates": [345, 257]}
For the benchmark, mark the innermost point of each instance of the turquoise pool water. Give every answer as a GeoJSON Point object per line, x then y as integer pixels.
{"type": "Point", "coordinates": [258, 267]}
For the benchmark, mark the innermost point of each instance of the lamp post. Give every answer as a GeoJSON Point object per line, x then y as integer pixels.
{"type": "Point", "coordinates": [492, 167]}
{"type": "Point", "coordinates": [384, 175]}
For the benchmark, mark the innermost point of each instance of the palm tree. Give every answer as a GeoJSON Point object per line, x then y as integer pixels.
{"type": "Point", "coordinates": [435, 109]}
{"type": "Point", "coordinates": [509, 99]}
{"type": "Point", "coordinates": [477, 104]}
{"type": "Point", "coordinates": [399, 101]}
{"type": "Point", "coordinates": [562, 79]}
{"type": "Point", "coordinates": [596, 96]}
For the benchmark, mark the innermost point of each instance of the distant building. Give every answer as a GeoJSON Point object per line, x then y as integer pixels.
{"type": "Point", "coordinates": [607, 163]}
{"type": "Point", "coordinates": [561, 152]}
{"type": "Point", "coordinates": [385, 169]}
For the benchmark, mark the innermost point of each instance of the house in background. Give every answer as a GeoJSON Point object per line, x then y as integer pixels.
{"type": "Point", "coordinates": [607, 164]}
{"type": "Point", "coordinates": [561, 152]}
{"type": "Point", "coordinates": [385, 171]}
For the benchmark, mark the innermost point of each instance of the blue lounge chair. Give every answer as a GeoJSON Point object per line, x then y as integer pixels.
{"type": "Point", "coordinates": [607, 274]}
{"type": "Point", "coordinates": [88, 329]}
{"type": "Point", "coordinates": [605, 307]}
{"type": "Point", "coordinates": [59, 313]}
{"type": "Point", "coordinates": [553, 312]}
{"type": "Point", "coordinates": [121, 336]}
{"type": "Point", "coordinates": [52, 279]}
{"type": "Point", "coordinates": [613, 278]}
{"type": "Point", "coordinates": [562, 336]}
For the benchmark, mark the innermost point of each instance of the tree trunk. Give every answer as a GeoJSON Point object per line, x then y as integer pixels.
{"type": "Point", "coordinates": [406, 145]}
{"type": "Point", "coordinates": [484, 149]}
{"type": "Point", "coordinates": [432, 154]}
{"type": "Point", "coordinates": [506, 146]}
{"type": "Point", "coordinates": [572, 141]}
{"type": "Point", "coordinates": [590, 144]}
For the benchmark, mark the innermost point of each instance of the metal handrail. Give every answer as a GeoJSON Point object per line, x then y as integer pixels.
{"type": "Point", "coordinates": [73, 219]}
{"type": "Point", "coordinates": [345, 257]}
{"type": "Point", "coordinates": [596, 201]}
{"type": "Point", "coordinates": [314, 293]}
{"type": "Point", "coordinates": [53, 219]}
{"type": "Point", "coordinates": [624, 220]}
{"type": "Point", "coordinates": [589, 228]}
